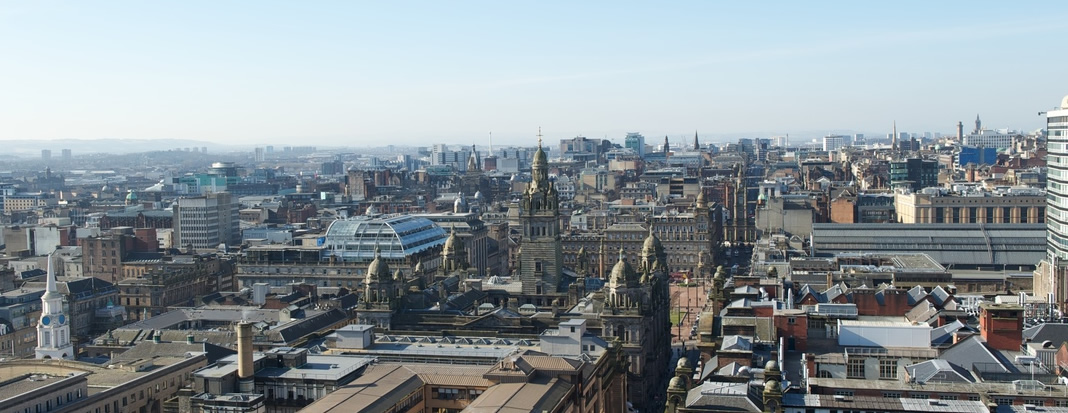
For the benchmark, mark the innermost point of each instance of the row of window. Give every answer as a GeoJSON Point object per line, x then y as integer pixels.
{"type": "Point", "coordinates": [1000, 400]}
{"type": "Point", "coordinates": [956, 215]}
{"type": "Point", "coordinates": [446, 393]}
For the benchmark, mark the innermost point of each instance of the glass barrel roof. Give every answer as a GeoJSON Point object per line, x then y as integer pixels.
{"type": "Point", "coordinates": [355, 239]}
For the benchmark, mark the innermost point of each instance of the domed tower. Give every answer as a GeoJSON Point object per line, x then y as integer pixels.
{"type": "Point", "coordinates": [398, 283]}
{"type": "Point", "coordinates": [453, 256]}
{"type": "Point", "coordinates": [620, 281]}
{"type": "Point", "coordinates": [676, 395]}
{"type": "Point", "coordinates": [131, 198]}
{"type": "Point", "coordinates": [684, 372]}
{"type": "Point", "coordinates": [378, 283]}
{"type": "Point", "coordinates": [541, 264]}
{"type": "Point", "coordinates": [380, 295]}
{"type": "Point", "coordinates": [653, 258]}
{"type": "Point", "coordinates": [460, 206]}
{"type": "Point", "coordinates": [772, 387]}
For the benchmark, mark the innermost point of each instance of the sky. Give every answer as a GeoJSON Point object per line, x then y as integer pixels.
{"type": "Point", "coordinates": [370, 73]}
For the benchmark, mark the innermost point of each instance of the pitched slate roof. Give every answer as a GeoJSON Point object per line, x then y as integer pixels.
{"type": "Point", "coordinates": [916, 294]}
{"type": "Point", "coordinates": [738, 343]}
{"type": "Point", "coordinates": [972, 351]}
{"type": "Point", "coordinates": [944, 334]}
{"type": "Point", "coordinates": [725, 396]}
{"type": "Point", "coordinates": [1054, 332]}
{"type": "Point", "coordinates": [938, 371]}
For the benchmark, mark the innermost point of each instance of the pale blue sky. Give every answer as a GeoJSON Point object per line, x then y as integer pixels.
{"type": "Point", "coordinates": [368, 73]}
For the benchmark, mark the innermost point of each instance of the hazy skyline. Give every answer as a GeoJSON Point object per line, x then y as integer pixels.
{"type": "Point", "coordinates": [418, 73]}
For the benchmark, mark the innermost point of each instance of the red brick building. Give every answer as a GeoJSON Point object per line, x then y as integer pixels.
{"type": "Point", "coordinates": [1001, 325]}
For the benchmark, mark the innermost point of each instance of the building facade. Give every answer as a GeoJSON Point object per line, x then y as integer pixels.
{"type": "Point", "coordinates": [1023, 207]}
{"type": "Point", "coordinates": [205, 222]}
{"type": "Point", "coordinates": [540, 257]}
{"type": "Point", "coordinates": [1050, 280]}
{"type": "Point", "coordinates": [914, 173]}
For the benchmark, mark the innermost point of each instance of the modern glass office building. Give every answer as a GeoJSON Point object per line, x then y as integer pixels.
{"type": "Point", "coordinates": [1050, 277]}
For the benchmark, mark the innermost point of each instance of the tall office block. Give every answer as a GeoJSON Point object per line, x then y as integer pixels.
{"type": "Point", "coordinates": [1049, 278]}
{"type": "Point", "coordinates": [204, 222]}
{"type": "Point", "coordinates": [636, 142]}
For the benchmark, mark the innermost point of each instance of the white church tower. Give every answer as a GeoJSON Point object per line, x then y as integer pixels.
{"type": "Point", "coordinates": [53, 329]}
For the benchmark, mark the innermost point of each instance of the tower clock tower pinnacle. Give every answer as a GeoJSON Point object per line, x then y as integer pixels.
{"type": "Point", "coordinates": [53, 328]}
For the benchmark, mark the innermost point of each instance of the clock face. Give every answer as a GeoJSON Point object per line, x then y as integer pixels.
{"type": "Point", "coordinates": [46, 320]}
{"type": "Point", "coordinates": [62, 319]}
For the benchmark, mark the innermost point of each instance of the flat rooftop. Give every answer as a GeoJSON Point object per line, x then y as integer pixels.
{"type": "Point", "coordinates": [100, 377]}
{"type": "Point", "coordinates": [318, 367]}
{"type": "Point", "coordinates": [881, 323]}
{"type": "Point", "coordinates": [26, 383]}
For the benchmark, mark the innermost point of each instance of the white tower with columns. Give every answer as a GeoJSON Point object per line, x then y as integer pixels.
{"type": "Point", "coordinates": [53, 329]}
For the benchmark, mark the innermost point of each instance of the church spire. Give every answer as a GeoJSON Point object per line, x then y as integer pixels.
{"type": "Point", "coordinates": [696, 144]}
{"type": "Point", "coordinates": [539, 168]}
{"type": "Point", "coordinates": [50, 280]}
{"type": "Point", "coordinates": [53, 330]}
{"type": "Point", "coordinates": [473, 161]}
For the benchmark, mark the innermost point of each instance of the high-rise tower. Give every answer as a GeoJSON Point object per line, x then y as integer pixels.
{"type": "Point", "coordinates": [893, 139]}
{"type": "Point", "coordinates": [1050, 277]}
{"type": "Point", "coordinates": [53, 328]}
{"type": "Point", "coordinates": [541, 260]}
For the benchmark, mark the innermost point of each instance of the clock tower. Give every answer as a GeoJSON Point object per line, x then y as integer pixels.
{"type": "Point", "coordinates": [53, 329]}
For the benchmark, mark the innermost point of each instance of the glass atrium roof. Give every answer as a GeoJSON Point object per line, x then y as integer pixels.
{"type": "Point", "coordinates": [355, 239]}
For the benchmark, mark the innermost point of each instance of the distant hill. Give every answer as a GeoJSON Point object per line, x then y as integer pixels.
{"type": "Point", "coordinates": [32, 148]}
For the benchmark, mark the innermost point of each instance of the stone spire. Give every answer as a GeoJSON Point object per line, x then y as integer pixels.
{"type": "Point", "coordinates": [472, 161]}
{"type": "Point", "coordinates": [539, 168]}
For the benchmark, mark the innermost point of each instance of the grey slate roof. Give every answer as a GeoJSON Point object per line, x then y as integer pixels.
{"type": "Point", "coordinates": [1054, 332]}
{"type": "Point", "coordinates": [737, 343]}
{"type": "Point", "coordinates": [938, 371]}
{"type": "Point", "coordinates": [944, 334]}
{"type": "Point", "coordinates": [966, 244]}
{"type": "Point", "coordinates": [724, 396]}
{"type": "Point", "coordinates": [972, 351]}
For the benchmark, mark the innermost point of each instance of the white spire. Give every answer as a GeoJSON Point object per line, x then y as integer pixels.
{"type": "Point", "coordinates": [50, 279]}
{"type": "Point", "coordinates": [53, 328]}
